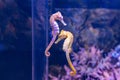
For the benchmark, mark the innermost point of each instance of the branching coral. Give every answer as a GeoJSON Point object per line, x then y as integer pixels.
{"type": "Point", "coordinates": [90, 65]}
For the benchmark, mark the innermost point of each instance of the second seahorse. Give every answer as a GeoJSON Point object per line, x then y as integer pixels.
{"type": "Point", "coordinates": [67, 47]}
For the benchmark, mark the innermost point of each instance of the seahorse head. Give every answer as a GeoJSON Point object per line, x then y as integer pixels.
{"type": "Point", "coordinates": [59, 16]}
{"type": "Point", "coordinates": [62, 34]}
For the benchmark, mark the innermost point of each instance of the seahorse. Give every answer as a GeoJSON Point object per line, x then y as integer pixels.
{"type": "Point", "coordinates": [55, 29]}
{"type": "Point", "coordinates": [67, 47]}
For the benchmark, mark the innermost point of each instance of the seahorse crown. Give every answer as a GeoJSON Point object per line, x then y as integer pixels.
{"type": "Point", "coordinates": [59, 15]}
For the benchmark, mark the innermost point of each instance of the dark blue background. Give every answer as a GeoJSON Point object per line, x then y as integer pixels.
{"type": "Point", "coordinates": [113, 4]}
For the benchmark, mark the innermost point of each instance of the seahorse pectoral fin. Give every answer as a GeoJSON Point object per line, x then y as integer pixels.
{"type": "Point", "coordinates": [47, 53]}
{"type": "Point", "coordinates": [73, 72]}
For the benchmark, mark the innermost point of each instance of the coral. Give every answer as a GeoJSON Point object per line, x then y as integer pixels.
{"type": "Point", "coordinates": [90, 65]}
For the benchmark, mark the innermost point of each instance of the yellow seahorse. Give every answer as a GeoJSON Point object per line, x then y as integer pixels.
{"type": "Point", "coordinates": [55, 29]}
{"type": "Point", "coordinates": [67, 47]}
